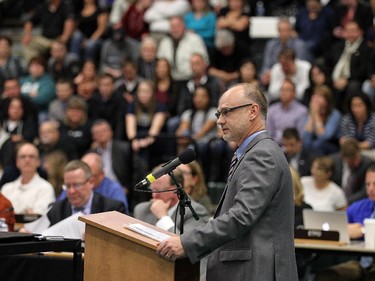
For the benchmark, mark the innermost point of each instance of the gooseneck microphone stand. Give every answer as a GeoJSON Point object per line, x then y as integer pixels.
{"type": "Point", "coordinates": [184, 201]}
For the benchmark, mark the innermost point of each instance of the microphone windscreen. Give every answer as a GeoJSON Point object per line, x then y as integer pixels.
{"type": "Point", "coordinates": [187, 156]}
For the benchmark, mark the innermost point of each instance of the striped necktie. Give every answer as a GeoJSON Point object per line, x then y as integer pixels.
{"type": "Point", "coordinates": [232, 165]}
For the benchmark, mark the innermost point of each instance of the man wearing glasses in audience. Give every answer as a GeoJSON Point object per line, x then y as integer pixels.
{"type": "Point", "coordinates": [78, 184]}
{"type": "Point", "coordinates": [29, 193]}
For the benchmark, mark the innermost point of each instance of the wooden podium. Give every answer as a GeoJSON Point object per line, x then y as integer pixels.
{"type": "Point", "coordinates": [114, 253]}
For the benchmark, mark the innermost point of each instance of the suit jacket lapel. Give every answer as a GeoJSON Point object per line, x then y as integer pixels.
{"type": "Point", "coordinates": [257, 139]}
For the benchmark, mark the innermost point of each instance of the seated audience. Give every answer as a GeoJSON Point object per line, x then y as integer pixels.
{"type": "Point", "coordinates": [162, 209]}
{"type": "Point", "coordinates": [80, 197]}
{"type": "Point", "coordinates": [12, 89]}
{"type": "Point", "coordinates": [179, 47]}
{"type": "Point", "coordinates": [62, 64]}
{"type": "Point", "coordinates": [350, 170]}
{"type": "Point", "coordinates": [321, 193]}
{"type": "Point", "coordinates": [202, 20]}
{"type": "Point", "coordinates": [359, 123]}
{"type": "Point", "coordinates": [322, 124]}
{"type": "Point", "coordinates": [56, 19]}
{"type": "Point", "coordinates": [119, 163]}
{"type": "Point", "coordinates": [302, 259]}
{"type": "Point", "coordinates": [10, 66]}
{"type": "Point", "coordinates": [287, 113]}
{"type": "Point", "coordinates": [16, 127]}
{"type": "Point", "coordinates": [116, 49]}
{"type": "Point", "coordinates": [288, 66]}
{"type": "Point", "coordinates": [127, 84]}
{"type": "Point", "coordinates": [299, 158]}
{"type": "Point", "coordinates": [29, 194]}
{"type": "Point", "coordinates": [314, 24]}
{"type": "Point", "coordinates": [285, 39]}
{"type": "Point", "coordinates": [39, 86]}
{"type": "Point", "coordinates": [108, 105]}
{"type": "Point", "coordinates": [54, 163]}
{"type": "Point", "coordinates": [348, 62]}
{"type": "Point", "coordinates": [146, 63]}
{"type": "Point", "coordinates": [50, 139]}
{"type": "Point", "coordinates": [145, 120]}
{"type": "Point", "coordinates": [248, 73]}
{"type": "Point", "coordinates": [75, 128]}
{"type": "Point", "coordinates": [318, 76]}
{"type": "Point", "coordinates": [198, 124]}
{"type": "Point", "coordinates": [88, 35]}
{"type": "Point", "coordinates": [57, 107]}
{"type": "Point", "coordinates": [358, 211]}
{"type": "Point", "coordinates": [195, 185]}
{"type": "Point", "coordinates": [133, 20]}
{"type": "Point", "coordinates": [87, 76]}
{"type": "Point", "coordinates": [235, 17]}
{"type": "Point", "coordinates": [159, 13]}
{"type": "Point", "coordinates": [101, 184]}
{"type": "Point", "coordinates": [226, 58]}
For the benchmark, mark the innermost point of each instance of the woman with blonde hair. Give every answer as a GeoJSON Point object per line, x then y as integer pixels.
{"type": "Point", "coordinates": [195, 185]}
{"type": "Point", "coordinates": [54, 164]}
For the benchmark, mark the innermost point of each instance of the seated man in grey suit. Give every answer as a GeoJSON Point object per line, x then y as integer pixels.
{"type": "Point", "coordinates": [350, 170]}
{"type": "Point", "coordinates": [78, 184]}
{"type": "Point", "coordinates": [162, 208]}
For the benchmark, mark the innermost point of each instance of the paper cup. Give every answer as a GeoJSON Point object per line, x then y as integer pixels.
{"type": "Point", "coordinates": [369, 233]}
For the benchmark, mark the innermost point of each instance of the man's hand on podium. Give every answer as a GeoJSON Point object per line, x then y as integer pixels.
{"type": "Point", "coordinates": [171, 248]}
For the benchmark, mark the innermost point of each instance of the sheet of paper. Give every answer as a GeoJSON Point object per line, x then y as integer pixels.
{"type": "Point", "coordinates": [146, 231]}
{"type": "Point", "coordinates": [70, 227]}
{"type": "Point", "coordinates": [38, 226]}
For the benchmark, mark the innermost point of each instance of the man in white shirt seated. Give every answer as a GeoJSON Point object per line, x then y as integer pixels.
{"type": "Point", "coordinates": [161, 209]}
{"type": "Point", "coordinates": [29, 193]}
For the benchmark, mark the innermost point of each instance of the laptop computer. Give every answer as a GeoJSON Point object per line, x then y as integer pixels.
{"type": "Point", "coordinates": [325, 220]}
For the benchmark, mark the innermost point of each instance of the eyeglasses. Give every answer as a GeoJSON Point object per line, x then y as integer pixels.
{"type": "Point", "coordinates": [24, 156]}
{"type": "Point", "coordinates": [225, 111]}
{"type": "Point", "coordinates": [76, 186]}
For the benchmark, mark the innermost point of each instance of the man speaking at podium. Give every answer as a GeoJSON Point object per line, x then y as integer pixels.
{"type": "Point", "coordinates": [251, 235]}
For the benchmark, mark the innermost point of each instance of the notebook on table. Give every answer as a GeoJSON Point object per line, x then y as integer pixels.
{"type": "Point", "coordinates": [328, 220]}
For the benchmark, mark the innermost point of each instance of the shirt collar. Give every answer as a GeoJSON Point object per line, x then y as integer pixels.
{"type": "Point", "coordinates": [241, 149]}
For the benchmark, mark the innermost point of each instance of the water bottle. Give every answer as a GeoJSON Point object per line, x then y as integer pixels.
{"type": "Point", "coordinates": [260, 10]}
{"type": "Point", "coordinates": [3, 225]}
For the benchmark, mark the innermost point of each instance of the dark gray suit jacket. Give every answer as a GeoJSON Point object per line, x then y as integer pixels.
{"type": "Point", "coordinates": [143, 213]}
{"type": "Point", "coordinates": [358, 187]}
{"type": "Point", "coordinates": [251, 236]}
{"type": "Point", "coordinates": [63, 209]}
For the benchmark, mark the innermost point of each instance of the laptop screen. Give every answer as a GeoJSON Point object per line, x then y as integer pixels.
{"type": "Point", "coordinates": [324, 220]}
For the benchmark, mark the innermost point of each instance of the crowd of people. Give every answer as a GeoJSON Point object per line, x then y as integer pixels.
{"type": "Point", "coordinates": [126, 85]}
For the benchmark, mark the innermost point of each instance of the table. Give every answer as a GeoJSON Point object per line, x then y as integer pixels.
{"type": "Point", "coordinates": [356, 248]}
{"type": "Point", "coordinates": [66, 245]}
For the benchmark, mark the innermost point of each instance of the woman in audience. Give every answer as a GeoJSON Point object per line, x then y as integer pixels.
{"type": "Point", "coordinates": [299, 205]}
{"type": "Point", "coordinates": [39, 86]}
{"type": "Point", "coordinates": [195, 185]}
{"type": "Point", "coordinates": [322, 124]}
{"type": "Point", "coordinates": [202, 20]}
{"type": "Point", "coordinates": [76, 127]}
{"type": "Point", "coordinates": [236, 17]}
{"type": "Point", "coordinates": [320, 192]}
{"type": "Point", "coordinates": [248, 73]}
{"type": "Point", "coordinates": [17, 127]}
{"type": "Point", "coordinates": [54, 164]}
{"type": "Point", "coordinates": [359, 122]}
{"type": "Point", "coordinates": [145, 119]}
{"type": "Point", "coordinates": [197, 125]}
{"type": "Point", "coordinates": [318, 76]}
{"type": "Point", "coordinates": [87, 75]}
{"type": "Point", "coordinates": [91, 24]}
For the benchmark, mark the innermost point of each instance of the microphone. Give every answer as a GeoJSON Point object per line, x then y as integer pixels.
{"type": "Point", "coordinates": [185, 157]}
